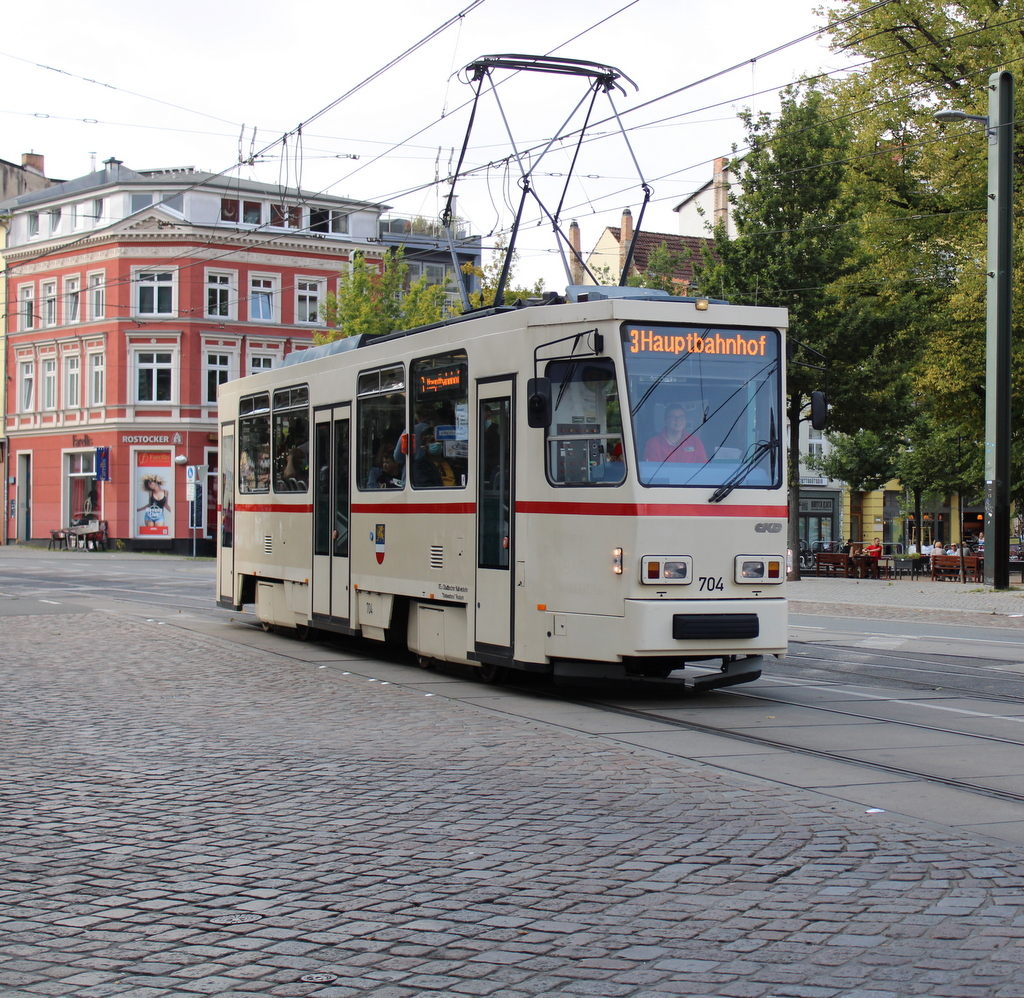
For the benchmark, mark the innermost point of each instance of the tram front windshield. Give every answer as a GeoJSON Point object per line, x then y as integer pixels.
{"type": "Point", "coordinates": [705, 405]}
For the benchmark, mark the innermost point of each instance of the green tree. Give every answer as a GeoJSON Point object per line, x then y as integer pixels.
{"type": "Point", "coordinates": [797, 241]}
{"type": "Point", "coordinates": [489, 275]}
{"type": "Point", "coordinates": [923, 191]}
{"type": "Point", "coordinates": [660, 272]}
{"type": "Point", "coordinates": [375, 301]}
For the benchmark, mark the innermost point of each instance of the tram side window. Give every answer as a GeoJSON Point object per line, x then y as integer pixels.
{"type": "Point", "coordinates": [291, 439]}
{"type": "Point", "coordinates": [584, 442]}
{"type": "Point", "coordinates": [380, 413]}
{"type": "Point", "coordinates": [438, 447]}
{"type": "Point", "coordinates": [254, 443]}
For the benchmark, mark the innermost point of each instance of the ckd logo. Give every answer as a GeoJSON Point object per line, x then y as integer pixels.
{"type": "Point", "coordinates": [768, 528]}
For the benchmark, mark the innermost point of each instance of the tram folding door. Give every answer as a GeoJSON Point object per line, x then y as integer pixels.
{"type": "Point", "coordinates": [331, 516]}
{"type": "Point", "coordinates": [226, 531]}
{"type": "Point", "coordinates": [495, 520]}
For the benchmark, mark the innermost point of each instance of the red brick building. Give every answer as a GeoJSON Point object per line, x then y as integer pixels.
{"type": "Point", "coordinates": [132, 296]}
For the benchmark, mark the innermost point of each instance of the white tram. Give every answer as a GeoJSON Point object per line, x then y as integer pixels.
{"type": "Point", "coordinates": [589, 488]}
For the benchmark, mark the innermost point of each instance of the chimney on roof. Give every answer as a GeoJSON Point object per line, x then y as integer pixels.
{"type": "Point", "coordinates": [626, 236]}
{"type": "Point", "coordinates": [33, 161]}
{"type": "Point", "coordinates": [721, 190]}
{"type": "Point", "coordinates": [113, 168]}
{"type": "Point", "coordinates": [576, 263]}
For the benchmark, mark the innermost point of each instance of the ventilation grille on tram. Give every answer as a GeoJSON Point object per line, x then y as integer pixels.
{"type": "Point", "coordinates": [268, 544]}
{"type": "Point", "coordinates": [436, 556]}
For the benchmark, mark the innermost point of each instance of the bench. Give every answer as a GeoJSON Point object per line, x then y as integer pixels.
{"type": "Point", "coordinates": [829, 563]}
{"type": "Point", "coordinates": [946, 568]}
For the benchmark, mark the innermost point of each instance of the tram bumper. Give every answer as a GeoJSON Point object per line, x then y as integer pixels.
{"type": "Point", "coordinates": [719, 643]}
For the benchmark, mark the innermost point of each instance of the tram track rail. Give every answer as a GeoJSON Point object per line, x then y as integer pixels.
{"type": "Point", "coordinates": [764, 741]}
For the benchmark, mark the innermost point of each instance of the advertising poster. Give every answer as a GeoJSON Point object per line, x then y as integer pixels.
{"type": "Point", "coordinates": [154, 477]}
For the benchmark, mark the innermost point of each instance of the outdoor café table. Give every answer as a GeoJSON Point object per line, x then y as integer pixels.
{"type": "Point", "coordinates": [81, 535]}
{"type": "Point", "coordinates": [865, 566]}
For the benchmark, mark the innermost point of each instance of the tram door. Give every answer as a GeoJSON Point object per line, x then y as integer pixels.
{"type": "Point", "coordinates": [495, 519]}
{"type": "Point", "coordinates": [331, 514]}
{"type": "Point", "coordinates": [227, 515]}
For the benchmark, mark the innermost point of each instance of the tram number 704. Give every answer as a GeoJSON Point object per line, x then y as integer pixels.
{"type": "Point", "coordinates": [709, 583]}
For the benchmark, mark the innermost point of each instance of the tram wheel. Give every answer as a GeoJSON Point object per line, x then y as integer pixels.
{"type": "Point", "coordinates": [267, 626]}
{"type": "Point", "coordinates": [424, 661]}
{"type": "Point", "coordinates": [490, 673]}
{"type": "Point", "coordinates": [303, 632]}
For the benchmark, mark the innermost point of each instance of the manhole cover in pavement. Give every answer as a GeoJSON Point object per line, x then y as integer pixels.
{"type": "Point", "coordinates": [318, 978]}
{"type": "Point", "coordinates": [235, 918]}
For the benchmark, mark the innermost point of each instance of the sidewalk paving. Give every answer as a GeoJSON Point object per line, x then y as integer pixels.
{"type": "Point", "coordinates": [182, 815]}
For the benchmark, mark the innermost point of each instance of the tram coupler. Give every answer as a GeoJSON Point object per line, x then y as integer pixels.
{"type": "Point", "coordinates": [733, 671]}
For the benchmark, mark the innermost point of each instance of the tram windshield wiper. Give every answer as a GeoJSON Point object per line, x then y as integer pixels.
{"type": "Point", "coordinates": [736, 478]}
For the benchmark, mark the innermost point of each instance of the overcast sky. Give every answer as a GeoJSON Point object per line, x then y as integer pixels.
{"type": "Point", "coordinates": [160, 87]}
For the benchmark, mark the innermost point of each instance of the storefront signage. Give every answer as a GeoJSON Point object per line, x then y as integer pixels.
{"type": "Point", "coordinates": [152, 438]}
{"type": "Point", "coordinates": [85, 441]}
{"type": "Point", "coordinates": [102, 464]}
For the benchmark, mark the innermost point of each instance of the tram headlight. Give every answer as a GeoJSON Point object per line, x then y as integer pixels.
{"type": "Point", "coordinates": [617, 561]}
{"type": "Point", "coordinates": [666, 570]}
{"type": "Point", "coordinates": [760, 569]}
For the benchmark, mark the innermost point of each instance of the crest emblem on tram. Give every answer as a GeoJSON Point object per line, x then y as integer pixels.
{"type": "Point", "coordinates": [378, 543]}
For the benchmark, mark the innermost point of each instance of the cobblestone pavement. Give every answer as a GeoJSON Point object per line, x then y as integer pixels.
{"type": "Point", "coordinates": [159, 786]}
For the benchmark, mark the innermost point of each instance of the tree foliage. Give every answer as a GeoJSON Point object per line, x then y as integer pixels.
{"type": "Point", "coordinates": [489, 275]}
{"type": "Point", "coordinates": [375, 300]}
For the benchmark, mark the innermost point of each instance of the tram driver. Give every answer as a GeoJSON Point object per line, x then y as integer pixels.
{"type": "Point", "coordinates": [674, 443]}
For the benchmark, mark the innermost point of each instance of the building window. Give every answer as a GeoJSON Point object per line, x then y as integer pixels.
{"type": "Point", "coordinates": [229, 210]}
{"type": "Point", "coordinates": [26, 307]}
{"type": "Point", "coordinates": [72, 381]}
{"type": "Point", "coordinates": [259, 362]}
{"type": "Point", "coordinates": [220, 297]}
{"type": "Point", "coordinates": [97, 379]}
{"type": "Point", "coordinates": [97, 211]}
{"type": "Point", "coordinates": [79, 215]}
{"type": "Point", "coordinates": [50, 383]}
{"type": "Point", "coordinates": [814, 445]}
{"type": "Point", "coordinates": [261, 300]}
{"type": "Point", "coordinates": [54, 214]}
{"type": "Point", "coordinates": [97, 296]}
{"type": "Point", "coordinates": [72, 300]}
{"type": "Point", "coordinates": [140, 201]}
{"type": "Point", "coordinates": [307, 300]}
{"type": "Point", "coordinates": [33, 224]}
{"type": "Point", "coordinates": [252, 212]}
{"type": "Point", "coordinates": [153, 376]}
{"type": "Point", "coordinates": [218, 370]}
{"type": "Point", "coordinates": [155, 292]}
{"type": "Point", "coordinates": [48, 291]}
{"type": "Point", "coordinates": [325, 220]}
{"type": "Point", "coordinates": [286, 216]}
{"type": "Point", "coordinates": [27, 377]}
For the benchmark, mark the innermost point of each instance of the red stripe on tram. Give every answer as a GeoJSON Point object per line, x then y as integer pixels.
{"type": "Point", "coordinates": [273, 507]}
{"type": "Point", "coordinates": [423, 507]}
{"type": "Point", "coordinates": [647, 509]}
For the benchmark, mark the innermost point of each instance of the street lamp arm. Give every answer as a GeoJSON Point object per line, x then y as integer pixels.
{"type": "Point", "coordinates": [948, 115]}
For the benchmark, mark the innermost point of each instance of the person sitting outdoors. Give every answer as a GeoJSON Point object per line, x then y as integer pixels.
{"type": "Point", "coordinates": [674, 444]}
{"type": "Point", "coordinates": [874, 549]}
